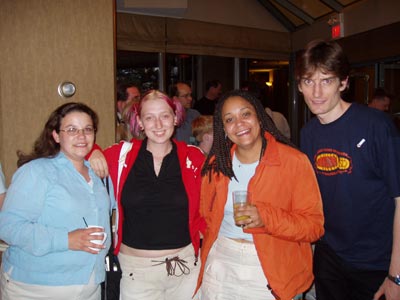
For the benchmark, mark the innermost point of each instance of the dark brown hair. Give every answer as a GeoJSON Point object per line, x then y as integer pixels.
{"type": "Point", "coordinates": [45, 145]}
{"type": "Point", "coordinates": [325, 56]}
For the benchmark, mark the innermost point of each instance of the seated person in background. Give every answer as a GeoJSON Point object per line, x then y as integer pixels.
{"type": "Point", "coordinates": [380, 100]}
{"type": "Point", "coordinates": [280, 121]}
{"type": "Point", "coordinates": [133, 91]}
{"type": "Point", "coordinates": [127, 95]}
{"type": "Point", "coordinates": [2, 187]}
{"type": "Point", "coordinates": [206, 105]}
{"type": "Point", "coordinates": [202, 129]}
{"type": "Point", "coordinates": [126, 130]}
{"type": "Point", "coordinates": [182, 92]}
{"type": "Point", "coordinates": [126, 92]}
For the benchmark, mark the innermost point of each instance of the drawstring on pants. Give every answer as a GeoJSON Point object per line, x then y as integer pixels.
{"type": "Point", "coordinates": [173, 265]}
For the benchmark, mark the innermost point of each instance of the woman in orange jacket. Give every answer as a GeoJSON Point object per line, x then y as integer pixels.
{"type": "Point", "coordinates": [268, 254]}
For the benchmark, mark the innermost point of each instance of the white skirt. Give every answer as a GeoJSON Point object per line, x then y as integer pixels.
{"type": "Point", "coordinates": [13, 290]}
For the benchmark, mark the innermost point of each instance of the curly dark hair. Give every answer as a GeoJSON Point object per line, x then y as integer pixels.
{"type": "Point", "coordinates": [220, 160]}
{"type": "Point", "coordinates": [45, 146]}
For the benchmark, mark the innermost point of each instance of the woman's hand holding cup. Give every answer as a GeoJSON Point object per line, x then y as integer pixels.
{"type": "Point", "coordinates": [98, 238]}
{"type": "Point", "coordinates": [241, 199]}
{"type": "Point", "coordinates": [245, 213]}
{"type": "Point", "coordinates": [90, 239]}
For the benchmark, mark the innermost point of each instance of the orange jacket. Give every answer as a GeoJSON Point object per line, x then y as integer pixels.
{"type": "Point", "coordinates": [287, 196]}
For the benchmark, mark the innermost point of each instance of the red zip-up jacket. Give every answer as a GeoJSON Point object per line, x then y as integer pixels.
{"type": "Point", "coordinates": [191, 160]}
{"type": "Point", "coordinates": [286, 193]}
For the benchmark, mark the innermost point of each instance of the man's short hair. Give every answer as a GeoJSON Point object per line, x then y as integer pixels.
{"type": "Point", "coordinates": [212, 83]}
{"type": "Point", "coordinates": [173, 89]}
{"type": "Point", "coordinates": [122, 94]}
{"type": "Point", "coordinates": [325, 56]}
{"type": "Point", "coordinates": [380, 94]}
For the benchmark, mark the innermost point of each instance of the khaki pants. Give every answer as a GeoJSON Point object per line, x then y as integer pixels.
{"type": "Point", "coordinates": [147, 278]}
{"type": "Point", "coordinates": [14, 290]}
{"type": "Point", "coordinates": [233, 272]}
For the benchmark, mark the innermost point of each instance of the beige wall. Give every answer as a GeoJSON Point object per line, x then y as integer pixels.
{"type": "Point", "coordinates": [43, 43]}
{"type": "Point", "coordinates": [245, 13]}
{"type": "Point", "coordinates": [159, 34]}
{"type": "Point", "coordinates": [233, 12]}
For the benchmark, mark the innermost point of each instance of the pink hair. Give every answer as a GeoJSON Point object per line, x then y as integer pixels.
{"type": "Point", "coordinates": [175, 105]}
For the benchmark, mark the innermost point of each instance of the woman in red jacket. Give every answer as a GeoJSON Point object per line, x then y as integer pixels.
{"type": "Point", "coordinates": [157, 192]}
{"type": "Point", "coordinates": [268, 256]}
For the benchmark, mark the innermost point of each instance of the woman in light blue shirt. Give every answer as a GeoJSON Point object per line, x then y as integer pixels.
{"type": "Point", "coordinates": [53, 197]}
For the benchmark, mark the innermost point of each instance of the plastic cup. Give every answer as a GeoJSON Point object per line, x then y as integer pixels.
{"type": "Point", "coordinates": [240, 199]}
{"type": "Point", "coordinates": [98, 242]}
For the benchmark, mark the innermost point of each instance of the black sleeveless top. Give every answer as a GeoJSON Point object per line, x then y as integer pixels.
{"type": "Point", "coordinates": [156, 209]}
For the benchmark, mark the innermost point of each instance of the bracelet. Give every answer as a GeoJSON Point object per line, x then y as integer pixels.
{"type": "Point", "coordinates": [395, 279]}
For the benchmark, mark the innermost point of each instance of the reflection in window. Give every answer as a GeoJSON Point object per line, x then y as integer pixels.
{"type": "Point", "coordinates": [138, 67]}
{"type": "Point", "coordinates": [143, 68]}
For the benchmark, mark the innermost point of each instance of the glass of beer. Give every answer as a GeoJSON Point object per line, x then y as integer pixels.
{"type": "Point", "coordinates": [240, 199]}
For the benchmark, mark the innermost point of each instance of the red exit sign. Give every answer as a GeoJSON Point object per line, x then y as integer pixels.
{"type": "Point", "coordinates": [336, 31]}
{"type": "Point", "coordinates": [337, 25]}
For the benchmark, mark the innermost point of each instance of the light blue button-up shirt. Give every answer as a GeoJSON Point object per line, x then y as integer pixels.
{"type": "Point", "coordinates": [47, 199]}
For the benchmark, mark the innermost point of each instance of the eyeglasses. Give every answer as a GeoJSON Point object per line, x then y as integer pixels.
{"type": "Point", "coordinates": [72, 131]}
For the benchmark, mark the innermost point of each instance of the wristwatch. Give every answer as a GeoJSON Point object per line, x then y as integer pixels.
{"type": "Point", "coordinates": [395, 279]}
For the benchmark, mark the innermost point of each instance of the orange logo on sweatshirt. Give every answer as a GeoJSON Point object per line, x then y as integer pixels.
{"type": "Point", "coordinates": [332, 162]}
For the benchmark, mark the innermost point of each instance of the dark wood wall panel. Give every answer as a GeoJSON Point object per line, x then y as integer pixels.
{"type": "Point", "coordinates": [377, 44]}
